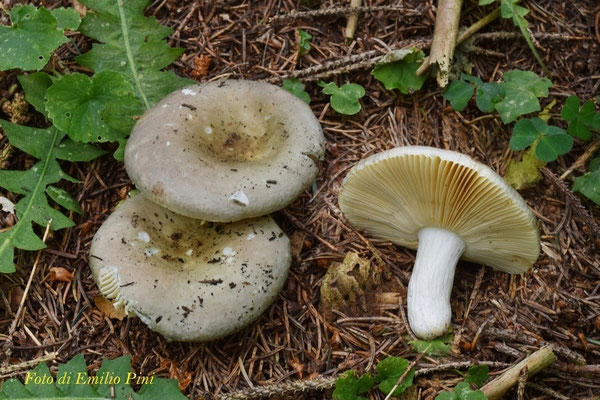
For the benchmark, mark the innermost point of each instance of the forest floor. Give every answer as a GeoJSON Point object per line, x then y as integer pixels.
{"type": "Point", "coordinates": [496, 316]}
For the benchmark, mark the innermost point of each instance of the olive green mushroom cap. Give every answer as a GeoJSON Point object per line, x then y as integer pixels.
{"type": "Point", "coordinates": [225, 150]}
{"type": "Point", "coordinates": [396, 193]}
{"type": "Point", "coordinates": [188, 280]}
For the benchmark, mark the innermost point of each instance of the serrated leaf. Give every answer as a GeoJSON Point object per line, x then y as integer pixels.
{"type": "Point", "coordinates": [348, 386]}
{"type": "Point", "coordinates": [67, 18]}
{"type": "Point", "coordinates": [303, 42]}
{"type": "Point", "coordinates": [477, 375]}
{"type": "Point", "coordinates": [64, 199]}
{"type": "Point", "coordinates": [435, 347]}
{"type": "Point", "coordinates": [73, 387]}
{"type": "Point", "coordinates": [295, 87]}
{"type": "Point", "coordinates": [521, 92]}
{"type": "Point", "coordinates": [458, 93]}
{"type": "Point", "coordinates": [35, 86]}
{"type": "Point", "coordinates": [389, 371]}
{"type": "Point", "coordinates": [72, 383]}
{"type": "Point", "coordinates": [588, 184]}
{"type": "Point", "coordinates": [344, 99]}
{"type": "Point", "coordinates": [133, 45]}
{"type": "Point", "coordinates": [398, 70]}
{"type": "Point", "coordinates": [75, 104]}
{"type": "Point", "coordinates": [33, 207]}
{"type": "Point", "coordinates": [27, 44]}
{"type": "Point", "coordinates": [580, 120]}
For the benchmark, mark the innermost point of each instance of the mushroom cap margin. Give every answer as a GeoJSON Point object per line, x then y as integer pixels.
{"type": "Point", "coordinates": [150, 261]}
{"type": "Point", "coordinates": [395, 193]}
{"type": "Point", "coordinates": [252, 156]}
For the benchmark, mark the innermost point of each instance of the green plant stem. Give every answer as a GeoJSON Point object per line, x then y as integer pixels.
{"type": "Point", "coordinates": [534, 364]}
{"type": "Point", "coordinates": [129, 53]}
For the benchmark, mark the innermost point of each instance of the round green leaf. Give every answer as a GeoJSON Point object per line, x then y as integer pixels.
{"type": "Point", "coordinates": [27, 44]}
{"type": "Point", "coordinates": [524, 133]}
{"type": "Point", "coordinates": [75, 103]}
{"type": "Point", "coordinates": [553, 144]}
{"type": "Point", "coordinates": [458, 94]}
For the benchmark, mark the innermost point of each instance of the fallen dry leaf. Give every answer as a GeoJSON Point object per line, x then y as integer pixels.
{"type": "Point", "coordinates": [60, 274]}
{"type": "Point", "coordinates": [201, 64]}
{"type": "Point", "coordinates": [297, 243]}
{"type": "Point", "coordinates": [107, 307]}
{"type": "Point", "coordinates": [183, 377]}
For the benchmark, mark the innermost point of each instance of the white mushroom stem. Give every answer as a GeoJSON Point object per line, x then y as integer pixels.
{"type": "Point", "coordinates": [431, 281]}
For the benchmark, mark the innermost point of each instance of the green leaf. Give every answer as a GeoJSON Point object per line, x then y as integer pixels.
{"type": "Point", "coordinates": [458, 94]}
{"type": "Point", "coordinates": [35, 86]}
{"type": "Point", "coordinates": [67, 18]}
{"type": "Point", "coordinates": [398, 70]}
{"type": "Point", "coordinates": [477, 375]}
{"type": "Point", "coordinates": [522, 89]}
{"type": "Point", "coordinates": [71, 151]}
{"type": "Point", "coordinates": [486, 2]}
{"type": "Point", "coordinates": [73, 387]}
{"type": "Point", "coordinates": [72, 383]}
{"type": "Point", "coordinates": [462, 391]}
{"type": "Point", "coordinates": [580, 120]}
{"type": "Point", "coordinates": [488, 95]}
{"type": "Point", "coordinates": [63, 198]}
{"type": "Point", "coordinates": [589, 184]}
{"type": "Point", "coordinates": [389, 371]}
{"type": "Point", "coordinates": [446, 396]}
{"type": "Point", "coordinates": [510, 9]}
{"type": "Point", "coordinates": [553, 141]}
{"type": "Point", "coordinates": [27, 44]}
{"type": "Point", "coordinates": [525, 132]}
{"type": "Point", "coordinates": [295, 87]}
{"type": "Point", "coordinates": [304, 42]}
{"type": "Point", "coordinates": [348, 386]}
{"type": "Point", "coordinates": [435, 347]}
{"type": "Point", "coordinates": [75, 104]}
{"type": "Point", "coordinates": [344, 99]}
{"type": "Point", "coordinates": [33, 207]}
{"type": "Point", "coordinates": [133, 45]}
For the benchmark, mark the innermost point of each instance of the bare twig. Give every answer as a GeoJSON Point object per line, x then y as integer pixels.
{"type": "Point", "coordinates": [352, 21]}
{"type": "Point", "coordinates": [344, 11]}
{"type": "Point", "coordinates": [444, 40]}
{"type": "Point", "coordinates": [27, 364]}
{"type": "Point", "coordinates": [534, 363]}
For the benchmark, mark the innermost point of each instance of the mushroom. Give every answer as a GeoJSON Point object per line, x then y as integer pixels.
{"type": "Point", "coordinates": [188, 280]}
{"type": "Point", "coordinates": [447, 206]}
{"type": "Point", "coordinates": [226, 150]}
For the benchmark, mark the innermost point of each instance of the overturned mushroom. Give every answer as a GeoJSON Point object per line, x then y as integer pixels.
{"type": "Point", "coordinates": [226, 150]}
{"type": "Point", "coordinates": [188, 280]}
{"type": "Point", "coordinates": [447, 206]}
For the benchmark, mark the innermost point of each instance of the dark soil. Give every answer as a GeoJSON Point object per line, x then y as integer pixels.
{"type": "Point", "coordinates": [496, 316]}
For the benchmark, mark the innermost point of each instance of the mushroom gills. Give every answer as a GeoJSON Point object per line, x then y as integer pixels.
{"type": "Point", "coordinates": [430, 285]}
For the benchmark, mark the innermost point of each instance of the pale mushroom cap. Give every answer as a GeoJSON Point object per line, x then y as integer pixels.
{"type": "Point", "coordinates": [187, 280]}
{"type": "Point", "coordinates": [225, 151]}
{"type": "Point", "coordinates": [396, 193]}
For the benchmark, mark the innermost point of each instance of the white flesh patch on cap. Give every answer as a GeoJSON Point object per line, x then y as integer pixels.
{"type": "Point", "coordinates": [240, 198]}
{"type": "Point", "coordinates": [188, 92]}
{"type": "Point", "coordinates": [144, 237]}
